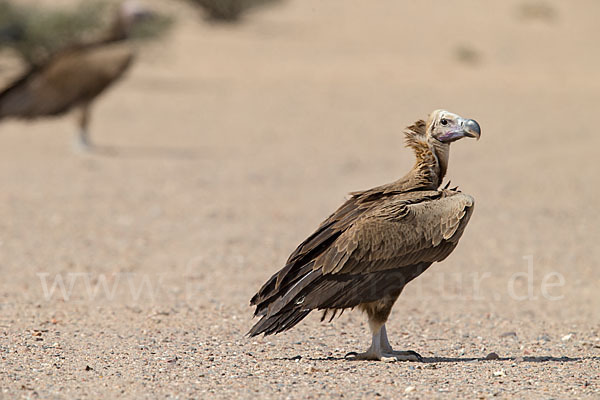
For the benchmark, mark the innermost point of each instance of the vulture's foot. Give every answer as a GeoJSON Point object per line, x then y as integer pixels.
{"type": "Point", "coordinates": [384, 356]}
{"type": "Point", "coordinates": [367, 355]}
{"type": "Point", "coordinates": [408, 355]}
{"type": "Point", "coordinates": [84, 149]}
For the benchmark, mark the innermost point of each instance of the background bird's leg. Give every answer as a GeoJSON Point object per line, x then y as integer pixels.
{"type": "Point", "coordinates": [83, 139]}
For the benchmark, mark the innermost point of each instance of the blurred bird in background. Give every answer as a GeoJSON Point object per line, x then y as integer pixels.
{"type": "Point", "coordinates": [229, 11]}
{"type": "Point", "coordinates": [71, 56]}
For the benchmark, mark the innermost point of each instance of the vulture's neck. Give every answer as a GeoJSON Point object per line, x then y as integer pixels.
{"type": "Point", "coordinates": [431, 160]}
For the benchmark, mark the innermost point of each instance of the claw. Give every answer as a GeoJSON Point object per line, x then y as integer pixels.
{"type": "Point", "coordinates": [418, 357]}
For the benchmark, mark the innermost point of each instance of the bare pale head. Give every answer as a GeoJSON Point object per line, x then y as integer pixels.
{"type": "Point", "coordinates": [448, 127]}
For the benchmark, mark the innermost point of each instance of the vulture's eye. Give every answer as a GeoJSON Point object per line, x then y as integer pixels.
{"type": "Point", "coordinates": [444, 121]}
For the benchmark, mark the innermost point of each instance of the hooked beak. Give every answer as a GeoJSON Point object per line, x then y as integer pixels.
{"type": "Point", "coordinates": [468, 128]}
{"type": "Point", "coordinates": [471, 129]}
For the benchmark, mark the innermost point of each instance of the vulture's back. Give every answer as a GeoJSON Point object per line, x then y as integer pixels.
{"type": "Point", "coordinates": [71, 78]}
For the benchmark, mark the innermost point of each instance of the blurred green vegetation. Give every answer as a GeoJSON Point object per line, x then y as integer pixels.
{"type": "Point", "coordinates": [35, 33]}
{"type": "Point", "coordinates": [229, 10]}
{"type": "Point", "coordinates": [152, 28]}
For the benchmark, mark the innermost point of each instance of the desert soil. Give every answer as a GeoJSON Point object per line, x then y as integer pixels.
{"type": "Point", "coordinates": [227, 145]}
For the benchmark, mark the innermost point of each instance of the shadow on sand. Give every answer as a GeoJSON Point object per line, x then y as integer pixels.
{"type": "Point", "coordinates": [434, 360]}
{"type": "Point", "coordinates": [538, 359]}
{"type": "Point", "coordinates": [148, 152]}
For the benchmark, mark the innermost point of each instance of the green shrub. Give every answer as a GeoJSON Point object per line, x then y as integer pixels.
{"type": "Point", "coordinates": [35, 32]}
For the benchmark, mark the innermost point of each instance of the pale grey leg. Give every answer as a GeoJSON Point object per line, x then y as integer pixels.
{"type": "Point", "coordinates": [374, 351]}
{"type": "Point", "coordinates": [399, 355]}
{"type": "Point", "coordinates": [385, 344]}
{"type": "Point", "coordinates": [83, 139]}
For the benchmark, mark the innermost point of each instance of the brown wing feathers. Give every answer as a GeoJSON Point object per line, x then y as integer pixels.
{"type": "Point", "coordinates": [65, 81]}
{"type": "Point", "coordinates": [377, 253]}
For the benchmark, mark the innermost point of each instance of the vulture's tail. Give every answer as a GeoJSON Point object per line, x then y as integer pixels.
{"type": "Point", "coordinates": [279, 322]}
{"type": "Point", "coordinates": [7, 94]}
{"type": "Point", "coordinates": [282, 308]}
{"type": "Point", "coordinates": [315, 291]}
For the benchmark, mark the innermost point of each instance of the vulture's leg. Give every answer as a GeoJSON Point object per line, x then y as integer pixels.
{"type": "Point", "coordinates": [380, 348]}
{"type": "Point", "coordinates": [378, 313]}
{"type": "Point", "coordinates": [385, 344]}
{"type": "Point", "coordinates": [374, 352]}
{"type": "Point", "coordinates": [83, 139]}
{"type": "Point", "coordinates": [399, 355]}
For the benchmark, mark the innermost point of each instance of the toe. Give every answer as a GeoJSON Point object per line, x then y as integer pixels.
{"type": "Point", "coordinates": [354, 356]}
{"type": "Point", "coordinates": [407, 356]}
{"type": "Point", "coordinates": [412, 356]}
{"type": "Point", "coordinates": [416, 356]}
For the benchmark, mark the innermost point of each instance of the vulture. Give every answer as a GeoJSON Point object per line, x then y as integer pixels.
{"type": "Point", "coordinates": [73, 77]}
{"type": "Point", "coordinates": [375, 243]}
{"type": "Point", "coordinates": [229, 11]}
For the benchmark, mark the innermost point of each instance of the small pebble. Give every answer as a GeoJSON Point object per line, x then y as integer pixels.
{"type": "Point", "coordinates": [410, 389]}
{"type": "Point", "coordinates": [567, 337]}
{"type": "Point", "coordinates": [492, 356]}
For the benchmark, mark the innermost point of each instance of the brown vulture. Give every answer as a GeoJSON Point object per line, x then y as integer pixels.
{"type": "Point", "coordinates": [375, 243]}
{"type": "Point", "coordinates": [74, 77]}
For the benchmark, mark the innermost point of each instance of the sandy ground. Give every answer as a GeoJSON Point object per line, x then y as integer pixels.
{"type": "Point", "coordinates": [228, 145]}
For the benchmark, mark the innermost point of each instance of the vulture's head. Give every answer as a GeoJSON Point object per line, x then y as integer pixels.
{"type": "Point", "coordinates": [448, 127]}
{"type": "Point", "coordinates": [136, 21]}
{"type": "Point", "coordinates": [431, 141]}
{"type": "Point", "coordinates": [441, 129]}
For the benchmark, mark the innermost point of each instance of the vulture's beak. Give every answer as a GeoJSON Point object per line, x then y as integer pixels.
{"type": "Point", "coordinates": [471, 129]}
{"type": "Point", "coordinates": [466, 128]}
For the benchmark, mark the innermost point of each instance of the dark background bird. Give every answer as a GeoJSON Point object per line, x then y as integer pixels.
{"type": "Point", "coordinates": [375, 243]}
{"type": "Point", "coordinates": [63, 77]}
{"type": "Point", "coordinates": [229, 11]}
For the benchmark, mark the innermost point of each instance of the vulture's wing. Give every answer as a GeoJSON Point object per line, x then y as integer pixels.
{"type": "Point", "coordinates": [399, 233]}
{"type": "Point", "coordinates": [384, 248]}
{"type": "Point", "coordinates": [67, 80]}
{"type": "Point", "coordinates": [329, 230]}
